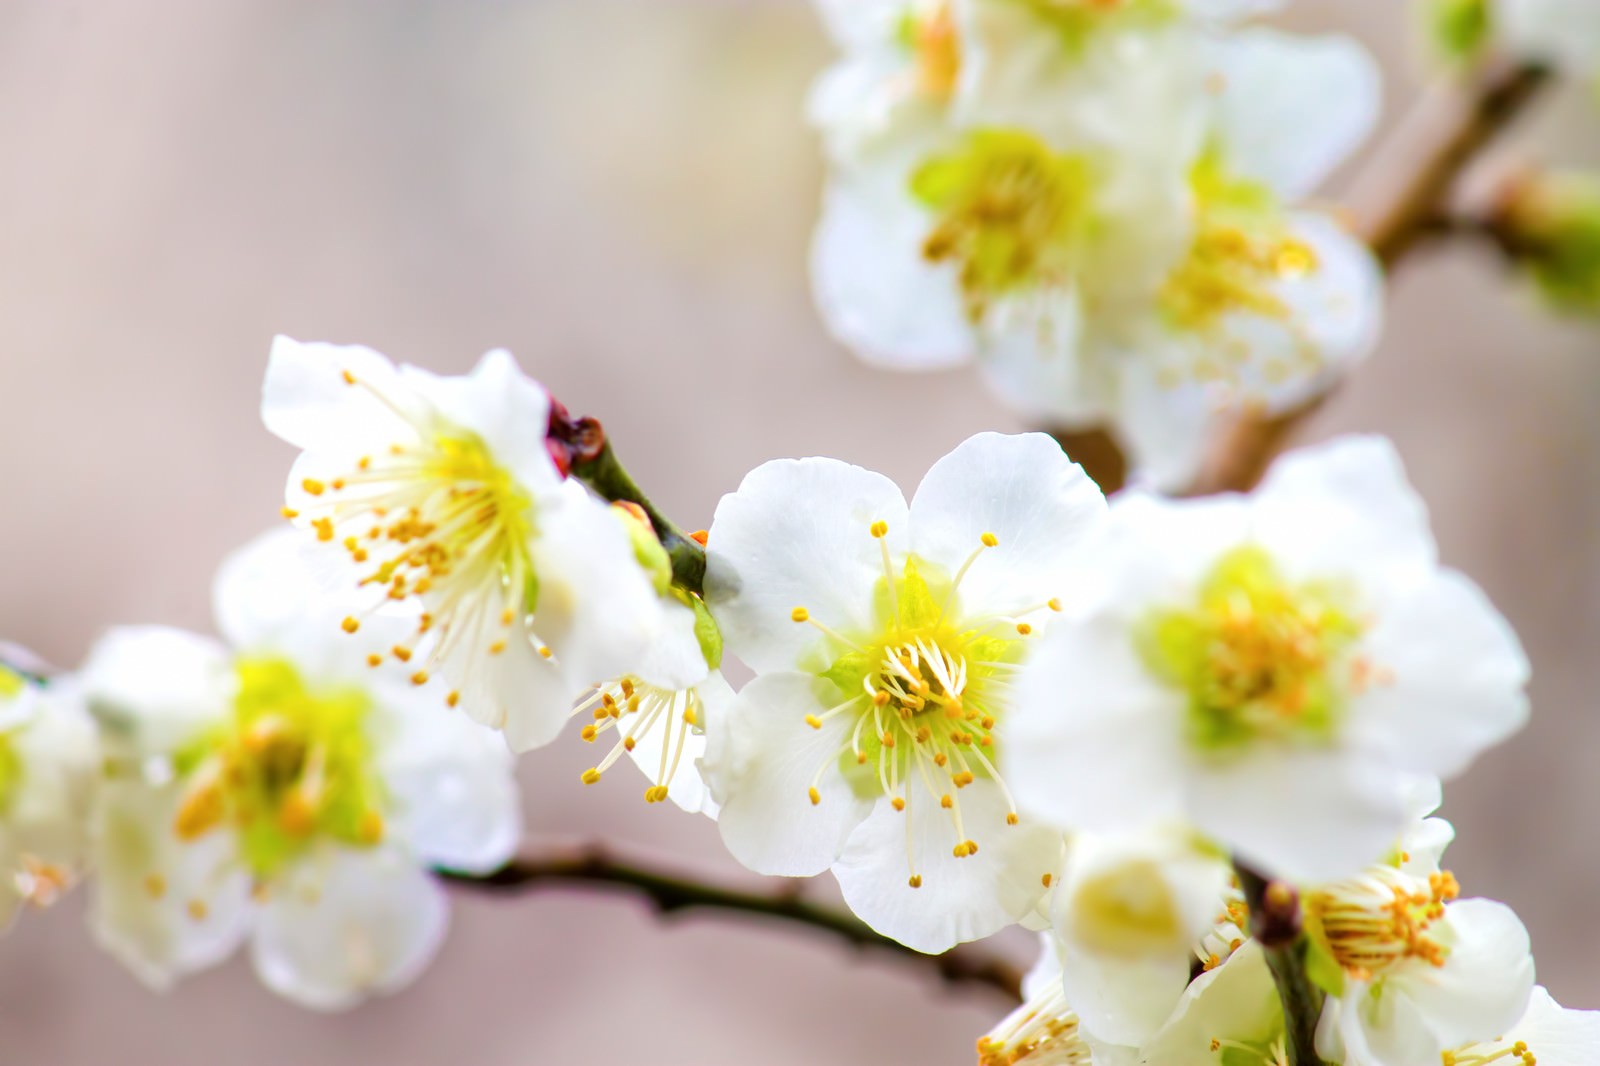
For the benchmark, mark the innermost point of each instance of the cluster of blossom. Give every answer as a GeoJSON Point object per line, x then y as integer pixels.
{"type": "Point", "coordinates": [1103, 204]}
{"type": "Point", "coordinates": [1004, 701]}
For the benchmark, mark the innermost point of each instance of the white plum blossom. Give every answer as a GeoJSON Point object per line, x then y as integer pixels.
{"type": "Point", "coordinates": [1278, 670]}
{"type": "Point", "coordinates": [1423, 973]}
{"type": "Point", "coordinates": [1128, 912]}
{"type": "Point", "coordinates": [438, 497]}
{"type": "Point", "coordinates": [1100, 205]}
{"type": "Point", "coordinates": [49, 763]}
{"type": "Point", "coordinates": [278, 789]}
{"type": "Point", "coordinates": [1562, 33]}
{"type": "Point", "coordinates": [885, 638]}
{"type": "Point", "coordinates": [1547, 1035]}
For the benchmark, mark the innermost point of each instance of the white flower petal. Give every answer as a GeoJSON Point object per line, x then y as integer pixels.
{"type": "Point", "coordinates": [154, 688]}
{"type": "Point", "coordinates": [1092, 741]}
{"type": "Point", "coordinates": [797, 534]}
{"type": "Point", "coordinates": [1123, 1001]}
{"type": "Point", "coordinates": [1303, 815]}
{"type": "Point", "coordinates": [1236, 1001]}
{"type": "Point", "coordinates": [960, 899]}
{"type": "Point", "coordinates": [346, 925]}
{"type": "Point", "coordinates": [502, 406]}
{"type": "Point", "coordinates": [1345, 509]}
{"type": "Point", "coordinates": [162, 907]}
{"type": "Point", "coordinates": [674, 660]}
{"type": "Point", "coordinates": [687, 788]}
{"type": "Point", "coordinates": [761, 760]}
{"type": "Point", "coordinates": [1459, 677]}
{"type": "Point", "coordinates": [1022, 488]}
{"type": "Point", "coordinates": [451, 778]}
{"type": "Point", "coordinates": [308, 401]}
{"type": "Point", "coordinates": [877, 294]}
{"type": "Point", "coordinates": [1293, 107]}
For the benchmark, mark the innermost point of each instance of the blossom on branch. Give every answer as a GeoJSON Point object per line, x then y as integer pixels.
{"type": "Point", "coordinates": [277, 788]}
{"type": "Point", "coordinates": [886, 639]}
{"type": "Point", "coordinates": [437, 498]}
{"type": "Point", "coordinates": [1277, 670]}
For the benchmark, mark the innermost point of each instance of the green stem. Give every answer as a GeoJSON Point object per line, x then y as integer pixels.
{"type": "Point", "coordinates": [606, 475]}
{"type": "Point", "coordinates": [1275, 923]}
{"type": "Point", "coordinates": [669, 895]}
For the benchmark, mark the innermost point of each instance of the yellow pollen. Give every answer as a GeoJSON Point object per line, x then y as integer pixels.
{"type": "Point", "coordinates": [155, 885]}
{"type": "Point", "coordinates": [313, 486]}
{"type": "Point", "coordinates": [1024, 628]}
{"type": "Point", "coordinates": [915, 881]}
{"type": "Point", "coordinates": [816, 797]}
{"type": "Point", "coordinates": [589, 732]}
{"type": "Point", "coordinates": [350, 625]}
{"type": "Point", "coordinates": [374, 660]}
{"type": "Point", "coordinates": [401, 652]}
{"type": "Point", "coordinates": [453, 699]}
{"type": "Point", "coordinates": [1011, 818]}
{"type": "Point", "coordinates": [880, 529]}
{"type": "Point", "coordinates": [420, 677]}
{"type": "Point", "coordinates": [800, 614]}
{"type": "Point", "coordinates": [497, 647]}
{"type": "Point", "coordinates": [349, 378]}
{"type": "Point", "coordinates": [197, 910]}
{"type": "Point", "coordinates": [590, 776]}
{"type": "Point", "coordinates": [990, 540]}
{"type": "Point", "coordinates": [813, 721]}
{"type": "Point", "coordinates": [290, 512]}
{"type": "Point", "coordinates": [897, 803]}
{"type": "Point", "coordinates": [1046, 880]}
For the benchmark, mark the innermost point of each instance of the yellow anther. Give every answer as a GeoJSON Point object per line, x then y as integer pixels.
{"type": "Point", "coordinates": [800, 614]}
{"type": "Point", "coordinates": [324, 528]}
{"type": "Point", "coordinates": [1024, 628]}
{"type": "Point", "coordinates": [590, 776]}
{"type": "Point", "coordinates": [880, 529]}
{"type": "Point", "coordinates": [962, 779]}
{"type": "Point", "coordinates": [297, 816]}
{"type": "Point", "coordinates": [497, 647]}
{"type": "Point", "coordinates": [313, 486]}
{"type": "Point", "coordinates": [544, 651]}
{"type": "Point", "coordinates": [589, 732]}
{"type": "Point", "coordinates": [155, 886]}
{"type": "Point", "coordinates": [888, 740]}
{"type": "Point", "coordinates": [990, 540]}
{"type": "Point", "coordinates": [1054, 604]}
{"type": "Point", "coordinates": [897, 803]}
{"type": "Point", "coordinates": [1012, 819]}
{"type": "Point", "coordinates": [881, 698]}
{"type": "Point", "coordinates": [350, 625]}
{"type": "Point", "coordinates": [816, 797]}
{"type": "Point", "coordinates": [628, 743]}
{"type": "Point", "coordinates": [290, 512]}
{"type": "Point", "coordinates": [946, 801]}
{"type": "Point", "coordinates": [401, 652]}
{"type": "Point", "coordinates": [420, 677]}
{"type": "Point", "coordinates": [655, 793]}
{"type": "Point", "coordinates": [1047, 879]}
{"type": "Point", "coordinates": [915, 881]}
{"type": "Point", "coordinates": [197, 910]}
{"type": "Point", "coordinates": [813, 721]}
{"type": "Point", "coordinates": [349, 378]}
{"type": "Point", "coordinates": [374, 660]}
{"type": "Point", "coordinates": [507, 616]}
{"type": "Point", "coordinates": [453, 699]}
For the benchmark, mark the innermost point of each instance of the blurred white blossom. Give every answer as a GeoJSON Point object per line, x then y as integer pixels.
{"type": "Point", "coordinates": [277, 788]}
{"type": "Point", "coordinates": [1279, 670]}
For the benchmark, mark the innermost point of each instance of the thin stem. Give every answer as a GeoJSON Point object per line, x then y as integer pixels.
{"type": "Point", "coordinates": [1275, 923]}
{"type": "Point", "coordinates": [670, 895]}
{"type": "Point", "coordinates": [606, 475]}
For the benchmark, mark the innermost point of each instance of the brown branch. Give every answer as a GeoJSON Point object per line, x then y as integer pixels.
{"type": "Point", "coordinates": [1408, 186]}
{"type": "Point", "coordinates": [671, 895]}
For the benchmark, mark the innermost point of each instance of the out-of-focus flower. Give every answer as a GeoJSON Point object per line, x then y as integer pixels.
{"type": "Point", "coordinates": [281, 790]}
{"type": "Point", "coordinates": [1422, 972]}
{"type": "Point", "coordinates": [885, 639]}
{"type": "Point", "coordinates": [48, 766]}
{"type": "Point", "coordinates": [1098, 204]}
{"type": "Point", "coordinates": [1128, 913]}
{"type": "Point", "coordinates": [1276, 669]}
{"type": "Point", "coordinates": [438, 497]}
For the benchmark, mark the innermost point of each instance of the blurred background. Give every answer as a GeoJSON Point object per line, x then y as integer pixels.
{"type": "Point", "coordinates": [620, 191]}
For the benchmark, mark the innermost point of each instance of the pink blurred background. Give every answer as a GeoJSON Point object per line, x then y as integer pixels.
{"type": "Point", "coordinates": [620, 191]}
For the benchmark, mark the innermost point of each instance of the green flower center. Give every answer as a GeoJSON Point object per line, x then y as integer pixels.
{"type": "Point", "coordinates": [1009, 213]}
{"type": "Point", "coordinates": [291, 766]}
{"type": "Point", "coordinates": [1258, 657]}
{"type": "Point", "coordinates": [924, 689]}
